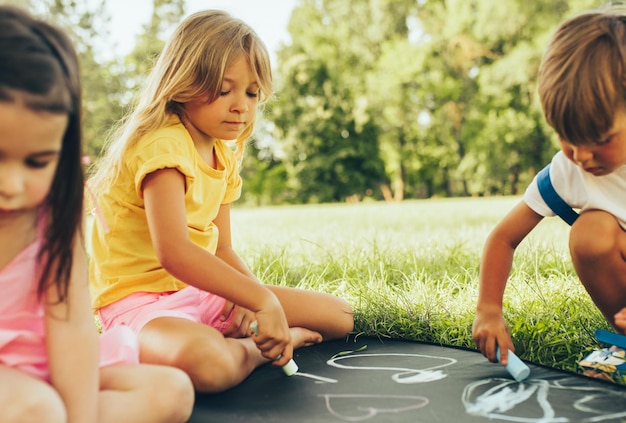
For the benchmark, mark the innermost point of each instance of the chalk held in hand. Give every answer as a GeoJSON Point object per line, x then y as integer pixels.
{"type": "Point", "coordinates": [516, 367]}
{"type": "Point", "coordinates": [290, 368]}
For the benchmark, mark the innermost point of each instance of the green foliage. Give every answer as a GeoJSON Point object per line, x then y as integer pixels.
{"type": "Point", "coordinates": [166, 14]}
{"type": "Point", "coordinates": [87, 24]}
{"type": "Point", "coordinates": [375, 99]}
{"type": "Point", "coordinates": [447, 88]}
{"type": "Point", "coordinates": [109, 83]}
{"type": "Point", "coordinates": [328, 139]}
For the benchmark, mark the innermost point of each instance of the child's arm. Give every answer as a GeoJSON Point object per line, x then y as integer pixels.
{"type": "Point", "coordinates": [489, 326]}
{"type": "Point", "coordinates": [163, 192]}
{"type": "Point", "coordinates": [242, 318]}
{"type": "Point", "coordinates": [72, 342]}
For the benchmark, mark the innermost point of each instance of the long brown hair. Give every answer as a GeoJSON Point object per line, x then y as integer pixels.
{"type": "Point", "coordinates": [39, 66]}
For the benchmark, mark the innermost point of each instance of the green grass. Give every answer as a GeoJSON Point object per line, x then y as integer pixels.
{"type": "Point", "coordinates": [410, 270]}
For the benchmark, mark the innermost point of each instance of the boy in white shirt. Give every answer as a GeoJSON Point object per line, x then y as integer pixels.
{"type": "Point", "coordinates": [582, 86]}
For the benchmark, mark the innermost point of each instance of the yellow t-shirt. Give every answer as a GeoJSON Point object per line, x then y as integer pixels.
{"type": "Point", "coordinates": [123, 259]}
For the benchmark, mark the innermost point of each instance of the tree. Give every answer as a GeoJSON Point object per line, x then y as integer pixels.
{"type": "Point", "coordinates": [166, 14]}
{"type": "Point", "coordinates": [128, 73]}
{"type": "Point", "coordinates": [444, 90]}
{"type": "Point", "coordinates": [109, 83]}
{"type": "Point", "coordinates": [386, 99]}
{"type": "Point", "coordinates": [321, 114]}
{"type": "Point", "coordinates": [489, 53]}
{"type": "Point", "coordinates": [86, 24]}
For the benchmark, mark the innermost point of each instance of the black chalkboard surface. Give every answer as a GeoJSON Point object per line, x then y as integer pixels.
{"type": "Point", "coordinates": [385, 380]}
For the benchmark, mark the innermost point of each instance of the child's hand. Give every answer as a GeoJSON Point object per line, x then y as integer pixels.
{"type": "Point", "coordinates": [620, 320]}
{"type": "Point", "coordinates": [239, 326]}
{"type": "Point", "coordinates": [490, 330]}
{"type": "Point", "coordinates": [273, 338]}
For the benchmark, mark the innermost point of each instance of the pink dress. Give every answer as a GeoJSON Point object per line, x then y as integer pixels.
{"type": "Point", "coordinates": [22, 334]}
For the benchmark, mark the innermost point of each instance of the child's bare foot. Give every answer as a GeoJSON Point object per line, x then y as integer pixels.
{"type": "Point", "coordinates": [620, 320]}
{"type": "Point", "coordinates": [302, 337]}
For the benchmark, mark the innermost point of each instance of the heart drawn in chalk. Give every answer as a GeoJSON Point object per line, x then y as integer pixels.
{"type": "Point", "coordinates": [361, 407]}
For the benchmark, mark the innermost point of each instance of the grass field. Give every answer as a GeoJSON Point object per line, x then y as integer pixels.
{"type": "Point", "coordinates": [410, 270]}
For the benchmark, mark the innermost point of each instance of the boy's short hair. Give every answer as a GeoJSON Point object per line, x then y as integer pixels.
{"type": "Point", "coordinates": [582, 76]}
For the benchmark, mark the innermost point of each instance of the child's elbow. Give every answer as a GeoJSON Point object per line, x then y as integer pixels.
{"type": "Point", "coordinates": [169, 258]}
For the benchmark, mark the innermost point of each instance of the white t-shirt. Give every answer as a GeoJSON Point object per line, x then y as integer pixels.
{"type": "Point", "coordinates": [581, 190]}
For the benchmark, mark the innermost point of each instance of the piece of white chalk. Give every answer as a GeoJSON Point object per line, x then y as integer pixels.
{"type": "Point", "coordinates": [291, 368]}
{"type": "Point", "coordinates": [516, 367]}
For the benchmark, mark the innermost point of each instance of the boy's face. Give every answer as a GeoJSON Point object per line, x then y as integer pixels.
{"type": "Point", "coordinates": [602, 157]}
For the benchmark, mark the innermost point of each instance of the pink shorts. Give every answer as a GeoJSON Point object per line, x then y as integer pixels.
{"type": "Point", "coordinates": [191, 303]}
{"type": "Point", "coordinates": [28, 353]}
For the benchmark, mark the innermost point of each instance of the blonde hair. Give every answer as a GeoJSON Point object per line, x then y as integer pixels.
{"type": "Point", "coordinates": [581, 78]}
{"type": "Point", "coordinates": [192, 64]}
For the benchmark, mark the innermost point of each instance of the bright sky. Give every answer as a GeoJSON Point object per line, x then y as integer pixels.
{"type": "Point", "coordinates": [268, 18]}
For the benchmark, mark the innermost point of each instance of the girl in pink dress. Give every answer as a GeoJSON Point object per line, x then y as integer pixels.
{"type": "Point", "coordinates": [53, 365]}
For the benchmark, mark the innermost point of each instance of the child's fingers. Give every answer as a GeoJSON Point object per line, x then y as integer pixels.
{"type": "Point", "coordinates": [620, 320]}
{"type": "Point", "coordinates": [504, 355]}
{"type": "Point", "coordinates": [489, 350]}
{"type": "Point", "coordinates": [284, 358]}
{"type": "Point", "coordinates": [505, 345]}
{"type": "Point", "coordinates": [227, 308]}
{"type": "Point", "coordinates": [278, 353]}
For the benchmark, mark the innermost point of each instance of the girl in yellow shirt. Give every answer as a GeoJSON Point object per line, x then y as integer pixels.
{"type": "Point", "coordinates": [162, 260]}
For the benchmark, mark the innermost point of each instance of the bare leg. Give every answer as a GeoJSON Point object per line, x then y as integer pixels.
{"type": "Point", "coordinates": [214, 363]}
{"type": "Point", "coordinates": [144, 394]}
{"type": "Point", "coordinates": [26, 399]}
{"type": "Point", "coordinates": [327, 314]}
{"type": "Point", "coordinates": [598, 249]}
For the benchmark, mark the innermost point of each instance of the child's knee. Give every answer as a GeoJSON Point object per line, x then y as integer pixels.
{"type": "Point", "coordinates": [338, 318]}
{"type": "Point", "coordinates": [38, 405]}
{"type": "Point", "coordinates": [346, 318]}
{"type": "Point", "coordinates": [174, 395]}
{"type": "Point", "coordinates": [217, 373]}
{"type": "Point", "coordinates": [594, 235]}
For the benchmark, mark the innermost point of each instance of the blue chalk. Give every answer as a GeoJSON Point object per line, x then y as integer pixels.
{"type": "Point", "coordinates": [516, 367]}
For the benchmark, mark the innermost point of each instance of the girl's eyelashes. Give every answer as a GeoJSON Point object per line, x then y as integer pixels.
{"type": "Point", "coordinates": [252, 94]}
{"type": "Point", "coordinates": [37, 164]}
{"type": "Point", "coordinates": [40, 161]}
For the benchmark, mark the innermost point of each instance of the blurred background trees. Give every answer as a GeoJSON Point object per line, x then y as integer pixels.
{"type": "Point", "coordinates": [375, 99]}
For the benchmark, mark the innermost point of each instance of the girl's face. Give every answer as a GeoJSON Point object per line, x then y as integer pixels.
{"type": "Point", "coordinates": [30, 146]}
{"type": "Point", "coordinates": [231, 113]}
{"type": "Point", "coordinates": [604, 156]}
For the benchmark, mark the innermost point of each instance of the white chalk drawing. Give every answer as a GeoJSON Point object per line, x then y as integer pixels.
{"type": "Point", "coordinates": [404, 375]}
{"type": "Point", "coordinates": [350, 408]}
{"type": "Point", "coordinates": [493, 398]}
{"type": "Point", "coordinates": [318, 379]}
{"type": "Point", "coordinates": [497, 398]}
